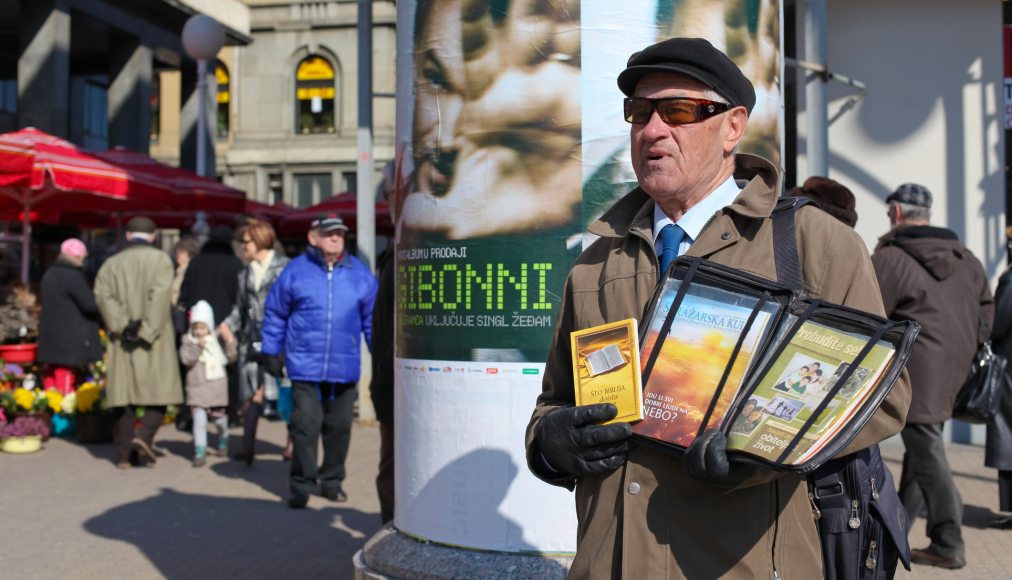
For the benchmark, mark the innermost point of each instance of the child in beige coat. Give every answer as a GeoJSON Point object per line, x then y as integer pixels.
{"type": "Point", "coordinates": [205, 355]}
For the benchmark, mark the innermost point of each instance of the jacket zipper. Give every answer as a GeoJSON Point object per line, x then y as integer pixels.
{"type": "Point", "coordinates": [776, 528]}
{"type": "Point", "coordinates": [330, 307]}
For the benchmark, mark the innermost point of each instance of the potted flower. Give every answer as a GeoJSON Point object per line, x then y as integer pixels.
{"type": "Point", "coordinates": [94, 424]}
{"type": "Point", "coordinates": [18, 395]}
{"type": "Point", "coordinates": [23, 435]}
{"type": "Point", "coordinates": [19, 325]}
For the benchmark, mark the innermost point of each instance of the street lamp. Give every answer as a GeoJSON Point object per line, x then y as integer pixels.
{"type": "Point", "coordinates": [203, 37]}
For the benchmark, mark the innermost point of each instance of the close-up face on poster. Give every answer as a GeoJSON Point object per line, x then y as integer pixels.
{"type": "Point", "coordinates": [516, 143]}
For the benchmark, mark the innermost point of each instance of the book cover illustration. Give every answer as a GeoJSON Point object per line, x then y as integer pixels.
{"type": "Point", "coordinates": [606, 368]}
{"type": "Point", "coordinates": [683, 381]}
{"type": "Point", "coordinates": [798, 381]}
{"type": "Point", "coordinates": [605, 359]}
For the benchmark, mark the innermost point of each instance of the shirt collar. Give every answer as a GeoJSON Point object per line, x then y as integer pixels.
{"type": "Point", "coordinates": [695, 219]}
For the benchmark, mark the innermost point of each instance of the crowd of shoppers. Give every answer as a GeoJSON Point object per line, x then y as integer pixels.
{"type": "Point", "coordinates": [304, 318]}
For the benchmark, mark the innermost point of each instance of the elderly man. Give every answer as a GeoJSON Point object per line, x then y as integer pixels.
{"type": "Point", "coordinates": [315, 315]}
{"type": "Point", "coordinates": [641, 513]}
{"type": "Point", "coordinates": [928, 275]}
{"type": "Point", "coordinates": [134, 293]}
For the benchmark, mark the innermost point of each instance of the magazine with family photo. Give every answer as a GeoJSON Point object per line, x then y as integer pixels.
{"type": "Point", "coordinates": [796, 404]}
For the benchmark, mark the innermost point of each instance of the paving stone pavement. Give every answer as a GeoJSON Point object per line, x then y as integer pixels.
{"type": "Point", "coordinates": [67, 512]}
{"type": "Point", "coordinates": [988, 551]}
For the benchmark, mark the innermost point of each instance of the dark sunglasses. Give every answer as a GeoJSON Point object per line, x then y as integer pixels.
{"type": "Point", "coordinates": [673, 111]}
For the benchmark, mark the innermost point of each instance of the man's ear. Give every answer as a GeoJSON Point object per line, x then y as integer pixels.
{"type": "Point", "coordinates": [737, 122]}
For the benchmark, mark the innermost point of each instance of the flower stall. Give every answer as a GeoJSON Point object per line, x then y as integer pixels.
{"type": "Point", "coordinates": [81, 411]}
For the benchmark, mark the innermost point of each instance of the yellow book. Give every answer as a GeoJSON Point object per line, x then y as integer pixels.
{"type": "Point", "coordinates": [606, 368]}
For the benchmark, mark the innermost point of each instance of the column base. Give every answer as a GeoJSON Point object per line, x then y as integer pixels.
{"type": "Point", "coordinates": [389, 554]}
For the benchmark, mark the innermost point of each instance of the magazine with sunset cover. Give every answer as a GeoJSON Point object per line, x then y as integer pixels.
{"type": "Point", "coordinates": [790, 381]}
{"type": "Point", "coordinates": [703, 328]}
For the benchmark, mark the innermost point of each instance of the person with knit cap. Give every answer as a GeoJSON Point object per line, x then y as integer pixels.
{"type": "Point", "coordinates": [68, 325]}
{"type": "Point", "coordinates": [205, 355]}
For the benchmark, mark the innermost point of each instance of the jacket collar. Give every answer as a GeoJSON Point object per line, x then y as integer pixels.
{"type": "Point", "coordinates": [316, 256]}
{"type": "Point", "coordinates": [61, 263]}
{"type": "Point", "coordinates": [634, 212]}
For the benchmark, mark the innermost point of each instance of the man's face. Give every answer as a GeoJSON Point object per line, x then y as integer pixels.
{"type": "Point", "coordinates": [439, 64]}
{"type": "Point", "coordinates": [681, 161]}
{"type": "Point", "coordinates": [330, 243]}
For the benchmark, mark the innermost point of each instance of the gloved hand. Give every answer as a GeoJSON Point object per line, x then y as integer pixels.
{"type": "Point", "coordinates": [130, 331]}
{"type": "Point", "coordinates": [130, 337]}
{"type": "Point", "coordinates": [706, 460]}
{"type": "Point", "coordinates": [272, 365]}
{"type": "Point", "coordinates": [572, 442]}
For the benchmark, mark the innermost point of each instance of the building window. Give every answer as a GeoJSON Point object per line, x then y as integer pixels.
{"type": "Point", "coordinates": [96, 116]}
{"type": "Point", "coordinates": [311, 188]}
{"type": "Point", "coordinates": [276, 186]}
{"type": "Point", "coordinates": [224, 98]}
{"type": "Point", "coordinates": [350, 181]}
{"type": "Point", "coordinates": [314, 95]}
{"type": "Point", "coordinates": [155, 122]}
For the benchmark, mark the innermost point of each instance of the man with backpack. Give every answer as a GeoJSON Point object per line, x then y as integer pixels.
{"type": "Point", "coordinates": [641, 510]}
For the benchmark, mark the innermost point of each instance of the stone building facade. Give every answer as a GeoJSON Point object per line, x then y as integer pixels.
{"type": "Point", "coordinates": [287, 104]}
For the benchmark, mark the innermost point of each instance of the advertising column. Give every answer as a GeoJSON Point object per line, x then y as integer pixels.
{"type": "Point", "coordinates": [510, 142]}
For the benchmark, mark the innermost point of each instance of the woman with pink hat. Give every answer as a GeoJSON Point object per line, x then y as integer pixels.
{"type": "Point", "coordinates": [68, 325]}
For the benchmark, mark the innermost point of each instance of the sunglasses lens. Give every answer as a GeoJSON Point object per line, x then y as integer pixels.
{"type": "Point", "coordinates": [678, 111]}
{"type": "Point", "coordinates": [638, 110]}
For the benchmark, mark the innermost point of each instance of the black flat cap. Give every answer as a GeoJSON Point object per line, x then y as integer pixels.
{"type": "Point", "coordinates": [141, 225]}
{"type": "Point", "coordinates": [695, 58]}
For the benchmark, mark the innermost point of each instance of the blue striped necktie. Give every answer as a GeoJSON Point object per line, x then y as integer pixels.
{"type": "Point", "coordinates": [671, 237]}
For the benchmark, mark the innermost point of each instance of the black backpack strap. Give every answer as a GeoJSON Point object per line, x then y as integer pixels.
{"type": "Point", "coordinates": [785, 243]}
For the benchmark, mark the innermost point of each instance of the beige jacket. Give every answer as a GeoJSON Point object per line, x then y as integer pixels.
{"type": "Point", "coordinates": [135, 284]}
{"type": "Point", "coordinates": [649, 519]}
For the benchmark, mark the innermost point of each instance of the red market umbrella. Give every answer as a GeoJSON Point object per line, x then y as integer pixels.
{"type": "Point", "coordinates": [194, 193]}
{"type": "Point", "coordinates": [43, 173]}
{"type": "Point", "coordinates": [343, 205]}
{"type": "Point", "coordinates": [179, 219]}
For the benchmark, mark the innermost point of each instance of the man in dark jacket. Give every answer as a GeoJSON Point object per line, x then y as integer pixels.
{"type": "Point", "coordinates": [926, 274]}
{"type": "Point", "coordinates": [382, 387]}
{"type": "Point", "coordinates": [316, 314]}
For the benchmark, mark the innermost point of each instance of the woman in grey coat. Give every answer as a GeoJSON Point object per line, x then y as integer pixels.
{"type": "Point", "coordinates": [263, 267]}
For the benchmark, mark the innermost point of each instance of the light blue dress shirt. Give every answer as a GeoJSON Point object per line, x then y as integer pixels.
{"type": "Point", "coordinates": [694, 220]}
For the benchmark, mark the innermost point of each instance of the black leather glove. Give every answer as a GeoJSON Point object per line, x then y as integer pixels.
{"type": "Point", "coordinates": [272, 365]}
{"type": "Point", "coordinates": [130, 337]}
{"type": "Point", "coordinates": [572, 442]}
{"type": "Point", "coordinates": [130, 331]}
{"type": "Point", "coordinates": [706, 460]}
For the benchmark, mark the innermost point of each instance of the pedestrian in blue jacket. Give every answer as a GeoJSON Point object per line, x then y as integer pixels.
{"type": "Point", "coordinates": [315, 314]}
